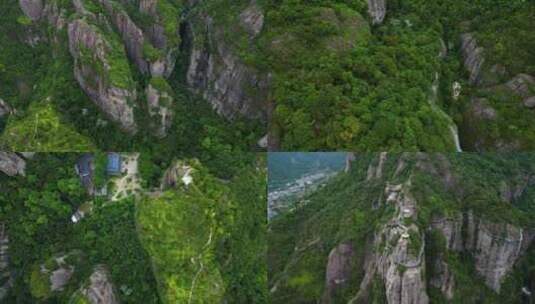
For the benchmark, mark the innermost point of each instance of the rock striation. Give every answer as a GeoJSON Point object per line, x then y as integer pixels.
{"type": "Point", "coordinates": [33, 9]}
{"type": "Point", "coordinates": [131, 34]}
{"type": "Point", "coordinates": [100, 289]}
{"type": "Point", "coordinates": [5, 109]}
{"type": "Point", "coordinates": [113, 91]}
{"type": "Point", "coordinates": [399, 261]}
{"type": "Point", "coordinates": [12, 164]}
{"type": "Point", "coordinates": [377, 10]}
{"type": "Point", "coordinates": [216, 71]}
{"type": "Point", "coordinates": [339, 270]}
{"type": "Point", "coordinates": [473, 57]}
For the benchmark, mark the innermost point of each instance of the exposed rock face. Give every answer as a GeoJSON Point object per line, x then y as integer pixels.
{"type": "Point", "coordinates": [100, 289]}
{"type": "Point", "coordinates": [377, 10]}
{"type": "Point", "coordinates": [33, 9]}
{"type": "Point", "coordinates": [252, 19]}
{"type": "Point", "coordinates": [222, 78]}
{"type": "Point", "coordinates": [511, 191]}
{"type": "Point", "coordinates": [376, 172]}
{"type": "Point", "coordinates": [443, 279]}
{"type": "Point", "coordinates": [132, 35]}
{"type": "Point", "coordinates": [451, 228]}
{"type": "Point", "coordinates": [520, 85]}
{"type": "Point", "coordinates": [159, 102]}
{"type": "Point", "coordinates": [6, 279]}
{"type": "Point", "coordinates": [263, 142]}
{"type": "Point", "coordinates": [163, 65]}
{"type": "Point", "coordinates": [12, 164]}
{"type": "Point", "coordinates": [178, 173]}
{"type": "Point", "coordinates": [399, 264]}
{"type": "Point", "coordinates": [530, 102]}
{"type": "Point", "coordinates": [5, 109]}
{"type": "Point", "coordinates": [473, 57]}
{"type": "Point", "coordinates": [92, 70]}
{"type": "Point", "coordinates": [339, 269]}
{"type": "Point", "coordinates": [59, 275]}
{"type": "Point", "coordinates": [495, 247]}
{"type": "Point", "coordinates": [481, 109]}
{"type": "Point", "coordinates": [350, 158]}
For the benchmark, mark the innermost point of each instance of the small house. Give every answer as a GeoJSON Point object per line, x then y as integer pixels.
{"type": "Point", "coordinates": [114, 164]}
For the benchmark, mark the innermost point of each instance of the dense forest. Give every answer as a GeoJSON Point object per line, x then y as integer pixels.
{"type": "Point", "coordinates": [191, 237]}
{"type": "Point", "coordinates": [48, 107]}
{"type": "Point", "coordinates": [344, 80]}
{"type": "Point", "coordinates": [410, 228]}
{"type": "Point", "coordinates": [361, 75]}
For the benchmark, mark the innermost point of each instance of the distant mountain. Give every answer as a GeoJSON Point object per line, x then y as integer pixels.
{"type": "Point", "coordinates": [286, 167]}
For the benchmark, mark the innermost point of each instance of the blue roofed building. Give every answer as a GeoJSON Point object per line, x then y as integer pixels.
{"type": "Point", "coordinates": [114, 164]}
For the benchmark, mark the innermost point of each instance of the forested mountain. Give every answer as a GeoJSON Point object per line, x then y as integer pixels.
{"type": "Point", "coordinates": [401, 75]}
{"type": "Point", "coordinates": [100, 228]}
{"type": "Point", "coordinates": [411, 228]}
{"type": "Point", "coordinates": [122, 74]}
{"type": "Point", "coordinates": [361, 75]}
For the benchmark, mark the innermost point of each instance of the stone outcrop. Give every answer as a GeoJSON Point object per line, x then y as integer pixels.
{"type": "Point", "coordinates": [5, 109]}
{"type": "Point", "coordinates": [350, 158]}
{"type": "Point", "coordinates": [49, 11]}
{"type": "Point", "coordinates": [6, 278]}
{"type": "Point", "coordinates": [93, 71]}
{"type": "Point", "coordinates": [100, 289]}
{"type": "Point", "coordinates": [339, 270]}
{"type": "Point", "coordinates": [58, 271]}
{"type": "Point", "coordinates": [252, 19]}
{"type": "Point", "coordinates": [12, 164]}
{"type": "Point", "coordinates": [521, 85]}
{"type": "Point", "coordinates": [178, 173]}
{"type": "Point", "coordinates": [131, 35]}
{"type": "Point", "coordinates": [376, 171]}
{"type": "Point", "coordinates": [160, 108]}
{"type": "Point", "coordinates": [215, 71]}
{"type": "Point", "coordinates": [33, 9]}
{"type": "Point", "coordinates": [165, 42]}
{"type": "Point", "coordinates": [495, 247]}
{"type": "Point", "coordinates": [473, 57]}
{"type": "Point", "coordinates": [377, 10]}
{"type": "Point", "coordinates": [399, 261]}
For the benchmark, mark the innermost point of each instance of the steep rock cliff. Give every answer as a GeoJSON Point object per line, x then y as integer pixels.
{"type": "Point", "coordinates": [220, 75]}
{"type": "Point", "coordinates": [377, 10]}
{"type": "Point", "coordinates": [102, 72]}
{"type": "Point", "coordinates": [419, 230]}
{"type": "Point", "coordinates": [12, 164]}
{"type": "Point", "coordinates": [100, 289]}
{"type": "Point", "coordinates": [400, 260]}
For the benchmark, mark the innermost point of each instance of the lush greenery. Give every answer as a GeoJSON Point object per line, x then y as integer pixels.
{"type": "Point", "coordinates": [33, 75]}
{"type": "Point", "coordinates": [351, 209]}
{"type": "Point", "coordinates": [204, 241]}
{"type": "Point", "coordinates": [355, 88]}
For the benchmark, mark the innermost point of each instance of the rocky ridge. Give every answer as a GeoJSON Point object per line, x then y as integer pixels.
{"type": "Point", "coordinates": [398, 257]}
{"type": "Point", "coordinates": [377, 10]}
{"type": "Point", "coordinates": [12, 164]}
{"type": "Point", "coordinates": [113, 91]}
{"type": "Point", "coordinates": [215, 71]}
